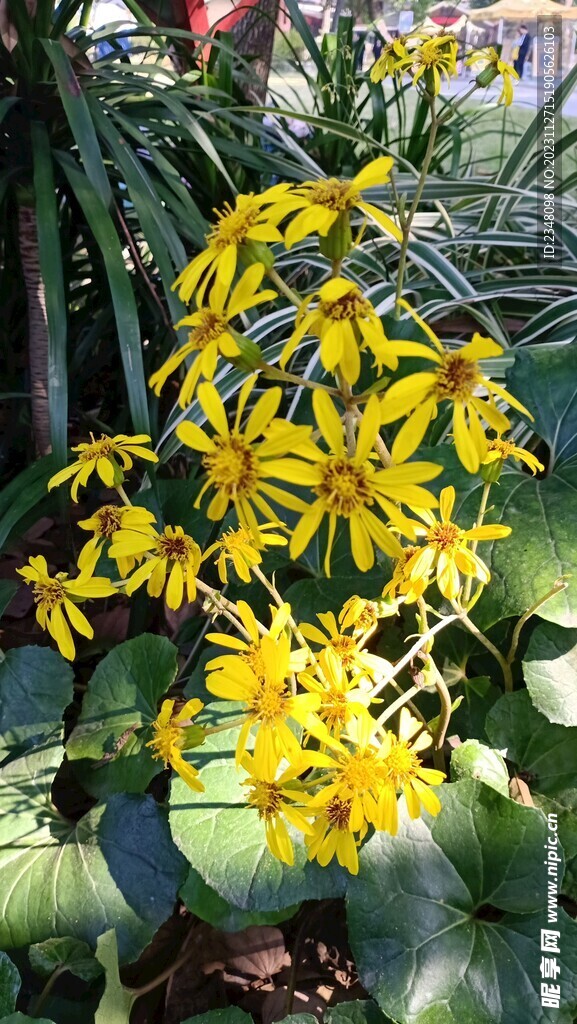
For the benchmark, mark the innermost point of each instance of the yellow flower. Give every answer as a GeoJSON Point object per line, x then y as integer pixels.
{"type": "Point", "coordinates": [236, 467]}
{"type": "Point", "coordinates": [498, 450]}
{"type": "Point", "coordinates": [402, 770]}
{"type": "Point", "coordinates": [103, 456]}
{"type": "Point", "coordinates": [347, 325]}
{"type": "Point", "coordinates": [170, 738]}
{"type": "Point", "coordinates": [210, 334]}
{"type": "Point", "coordinates": [273, 798]}
{"type": "Point", "coordinates": [341, 698]}
{"type": "Point", "coordinates": [55, 595]}
{"type": "Point", "coordinates": [269, 704]}
{"type": "Point", "coordinates": [495, 66]}
{"type": "Point", "coordinates": [432, 59]}
{"type": "Point", "coordinates": [446, 549]}
{"type": "Point", "coordinates": [361, 614]}
{"type": "Point", "coordinates": [332, 835]}
{"type": "Point", "coordinates": [401, 585]}
{"type": "Point", "coordinates": [171, 551]}
{"type": "Point", "coordinates": [322, 202]}
{"type": "Point", "coordinates": [243, 549]}
{"type": "Point", "coordinates": [456, 377]}
{"type": "Point", "coordinates": [386, 64]}
{"type": "Point", "coordinates": [249, 650]}
{"type": "Point", "coordinates": [104, 524]}
{"type": "Point", "coordinates": [252, 220]}
{"type": "Point", "coordinates": [346, 486]}
{"type": "Point", "coordinates": [361, 664]}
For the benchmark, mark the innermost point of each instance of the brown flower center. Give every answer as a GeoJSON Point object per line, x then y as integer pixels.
{"type": "Point", "coordinates": [180, 548]}
{"type": "Point", "coordinates": [211, 327]}
{"type": "Point", "coordinates": [456, 378]}
{"type": "Point", "coordinates": [334, 194]}
{"type": "Point", "coordinates": [338, 813]}
{"type": "Point", "coordinates": [345, 488]}
{"type": "Point", "coordinates": [97, 450]}
{"type": "Point", "coordinates": [351, 306]}
{"type": "Point", "coordinates": [233, 467]}
{"type": "Point", "coordinates": [266, 797]}
{"type": "Point", "coordinates": [49, 593]}
{"type": "Point", "coordinates": [109, 520]}
{"type": "Point", "coordinates": [345, 648]}
{"type": "Point", "coordinates": [445, 536]}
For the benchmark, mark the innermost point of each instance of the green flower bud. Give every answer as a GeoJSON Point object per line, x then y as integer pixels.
{"type": "Point", "coordinates": [192, 736]}
{"type": "Point", "coordinates": [339, 240]}
{"type": "Point", "coordinates": [491, 472]}
{"type": "Point", "coordinates": [487, 75]}
{"type": "Point", "coordinates": [250, 357]}
{"type": "Point", "coordinates": [252, 251]}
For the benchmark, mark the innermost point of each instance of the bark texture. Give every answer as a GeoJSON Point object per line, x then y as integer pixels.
{"type": "Point", "coordinates": [37, 327]}
{"type": "Point", "coordinates": [253, 36]}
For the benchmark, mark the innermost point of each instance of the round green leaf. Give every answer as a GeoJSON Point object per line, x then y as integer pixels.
{"type": "Point", "coordinates": [473, 760]}
{"type": "Point", "coordinates": [9, 985]}
{"type": "Point", "coordinates": [73, 954]}
{"type": "Point", "coordinates": [116, 867]}
{"type": "Point", "coordinates": [203, 901]}
{"type": "Point", "coordinates": [445, 917]}
{"type": "Point", "coordinates": [546, 754]}
{"type": "Point", "coordinates": [550, 671]}
{"type": "Point", "coordinates": [225, 841]}
{"type": "Point", "coordinates": [35, 689]}
{"type": "Point", "coordinates": [117, 711]}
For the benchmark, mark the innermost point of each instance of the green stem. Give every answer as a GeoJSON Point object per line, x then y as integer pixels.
{"type": "Point", "coordinates": [275, 373]}
{"type": "Point", "coordinates": [123, 495]}
{"type": "Point", "coordinates": [41, 998]}
{"type": "Point", "coordinates": [505, 666]}
{"type": "Point", "coordinates": [284, 288]}
{"type": "Point", "coordinates": [557, 588]}
{"type": "Point", "coordinates": [234, 724]}
{"type": "Point", "coordinates": [474, 545]}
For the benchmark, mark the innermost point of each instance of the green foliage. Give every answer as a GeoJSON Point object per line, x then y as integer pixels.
{"type": "Point", "coordinates": [65, 954]}
{"type": "Point", "coordinates": [35, 688]}
{"type": "Point", "coordinates": [473, 760]}
{"type": "Point", "coordinates": [209, 906]}
{"type": "Point", "coordinates": [455, 933]}
{"type": "Point", "coordinates": [550, 672]}
{"type": "Point", "coordinates": [9, 985]}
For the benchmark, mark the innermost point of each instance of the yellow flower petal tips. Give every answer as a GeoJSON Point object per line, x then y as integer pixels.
{"type": "Point", "coordinates": [55, 598]}
{"type": "Point", "coordinates": [275, 796]}
{"type": "Point", "coordinates": [172, 734]}
{"type": "Point", "coordinates": [456, 377]}
{"type": "Point", "coordinates": [493, 66]}
{"type": "Point", "coordinates": [171, 553]}
{"type": "Point", "coordinates": [103, 456]}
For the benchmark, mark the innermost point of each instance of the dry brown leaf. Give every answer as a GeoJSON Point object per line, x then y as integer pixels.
{"type": "Point", "coordinates": [520, 792]}
{"type": "Point", "coordinates": [274, 1005]}
{"type": "Point", "coordinates": [257, 952]}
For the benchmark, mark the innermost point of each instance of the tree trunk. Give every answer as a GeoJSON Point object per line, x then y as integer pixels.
{"type": "Point", "coordinates": [37, 327]}
{"type": "Point", "coordinates": [253, 36]}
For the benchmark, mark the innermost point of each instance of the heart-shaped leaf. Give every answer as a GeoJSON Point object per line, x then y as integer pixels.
{"type": "Point", "coordinates": [117, 867]}
{"type": "Point", "coordinates": [473, 760]}
{"type": "Point", "coordinates": [550, 672]}
{"type": "Point", "coordinates": [72, 954]}
{"type": "Point", "coordinates": [35, 688]}
{"type": "Point", "coordinates": [117, 711]}
{"type": "Point", "coordinates": [445, 918]}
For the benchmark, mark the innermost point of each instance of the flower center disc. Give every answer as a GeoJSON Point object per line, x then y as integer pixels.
{"type": "Point", "coordinates": [212, 327]}
{"type": "Point", "coordinates": [456, 378]}
{"type": "Point", "coordinates": [359, 774]}
{"type": "Point", "coordinates": [48, 592]}
{"type": "Point", "coordinates": [345, 648]}
{"type": "Point", "coordinates": [97, 450]}
{"type": "Point", "coordinates": [266, 797]}
{"type": "Point", "coordinates": [233, 226]}
{"type": "Point", "coordinates": [180, 549]}
{"type": "Point", "coordinates": [334, 194]}
{"type": "Point", "coordinates": [505, 448]}
{"type": "Point", "coordinates": [269, 703]}
{"type": "Point", "coordinates": [400, 764]}
{"type": "Point", "coordinates": [253, 657]}
{"type": "Point", "coordinates": [109, 520]}
{"type": "Point", "coordinates": [344, 488]}
{"type": "Point", "coordinates": [350, 307]}
{"type": "Point", "coordinates": [338, 813]}
{"type": "Point", "coordinates": [233, 467]}
{"type": "Point", "coordinates": [444, 536]}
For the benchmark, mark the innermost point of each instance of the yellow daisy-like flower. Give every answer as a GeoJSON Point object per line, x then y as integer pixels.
{"type": "Point", "coordinates": [56, 595]}
{"type": "Point", "coordinates": [103, 456]}
{"type": "Point", "coordinates": [104, 523]}
{"type": "Point", "coordinates": [456, 377]}
{"type": "Point", "coordinates": [253, 219]}
{"type": "Point", "coordinates": [172, 735]}
{"type": "Point", "coordinates": [332, 835]}
{"type": "Point", "coordinates": [349, 651]}
{"type": "Point", "coordinates": [402, 770]}
{"type": "Point", "coordinates": [431, 59]}
{"type": "Point", "coordinates": [347, 325]}
{"type": "Point", "coordinates": [401, 585]}
{"type": "Point", "coordinates": [273, 798]}
{"type": "Point", "coordinates": [341, 698]}
{"type": "Point", "coordinates": [211, 334]}
{"type": "Point", "coordinates": [499, 450]}
{"type": "Point", "coordinates": [446, 549]}
{"type": "Point", "coordinates": [493, 67]}
{"type": "Point", "coordinates": [171, 553]}
{"type": "Point", "coordinates": [361, 614]}
{"type": "Point", "coordinates": [386, 64]}
{"type": "Point", "coordinates": [249, 650]}
{"type": "Point", "coordinates": [322, 202]}
{"type": "Point", "coordinates": [237, 467]}
{"type": "Point", "coordinates": [243, 549]}
{"type": "Point", "coordinates": [269, 704]}
{"type": "Point", "coordinates": [348, 487]}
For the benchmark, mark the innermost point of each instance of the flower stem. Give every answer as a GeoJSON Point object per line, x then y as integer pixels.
{"type": "Point", "coordinates": [417, 646]}
{"type": "Point", "coordinates": [123, 495]}
{"type": "Point", "coordinates": [234, 724]}
{"type": "Point", "coordinates": [557, 588]}
{"type": "Point", "coordinates": [284, 288]}
{"type": "Point", "coordinates": [275, 373]}
{"type": "Point", "coordinates": [505, 666]}
{"type": "Point", "coordinates": [474, 545]}
{"type": "Point", "coordinates": [226, 608]}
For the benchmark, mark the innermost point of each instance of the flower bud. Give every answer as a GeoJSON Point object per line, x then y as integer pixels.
{"type": "Point", "coordinates": [487, 75]}
{"type": "Point", "coordinates": [252, 251]}
{"type": "Point", "coordinates": [193, 736]}
{"type": "Point", "coordinates": [339, 241]}
{"type": "Point", "coordinates": [250, 355]}
{"type": "Point", "coordinates": [491, 471]}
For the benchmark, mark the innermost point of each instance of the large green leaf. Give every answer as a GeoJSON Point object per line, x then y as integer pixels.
{"type": "Point", "coordinates": [357, 1011]}
{"type": "Point", "coordinates": [209, 906]}
{"type": "Point", "coordinates": [544, 379]}
{"type": "Point", "coordinates": [445, 917]}
{"type": "Point", "coordinates": [474, 760]}
{"type": "Point", "coordinates": [550, 672]}
{"type": "Point", "coordinates": [117, 711]}
{"type": "Point", "coordinates": [225, 841]}
{"type": "Point", "coordinates": [24, 493]}
{"type": "Point", "coordinates": [308, 597]}
{"type": "Point", "coordinates": [64, 954]}
{"type": "Point", "coordinates": [117, 867]}
{"type": "Point", "coordinates": [546, 755]}
{"type": "Point", "coordinates": [116, 1002]}
{"type": "Point", "coordinates": [9, 985]}
{"type": "Point", "coordinates": [35, 688]}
